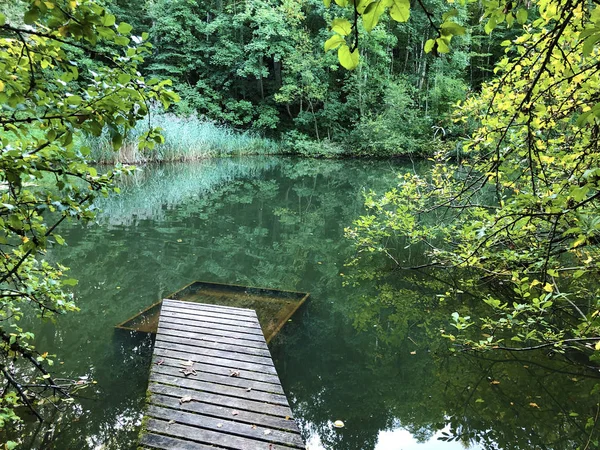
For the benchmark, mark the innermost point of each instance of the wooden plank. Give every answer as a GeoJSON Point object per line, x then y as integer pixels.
{"type": "Point", "coordinates": [213, 384]}
{"type": "Point", "coordinates": [253, 328]}
{"type": "Point", "coordinates": [250, 320]}
{"type": "Point", "coordinates": [221, 400]}
{"type": "Point", "coordinates": [216, 341]}
{"type": "Point", "coordinates": [228, 363]}
{"type": "Point", "coordinates": [249, 417]}
{"type": "Point", "coordinates": [213, 332]}
{"type": "Point", "coordinates": [231, 391]}
{"type": "Point", "coordinates": [186, 348]}
{"type": "Point", "coordinates": [224, 379]}
{"type": "Point", "coordinates": [212, 307]}
{"type": "Point", "coordinates": [151, 440]}
{"type": "Point", "coordinates": [212, 345]}
{"type": "Point", "coordinates": [215, 326]}
{"type": "Point", "coordinates": [233, 427]}
{"type": "Point", "coordinates": [209, 437]}
{"type": "Point", "coordinates": [161, 361]}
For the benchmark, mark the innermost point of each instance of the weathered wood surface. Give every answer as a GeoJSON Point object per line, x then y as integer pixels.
{"type": "Point", "coordinates": [213, 384]}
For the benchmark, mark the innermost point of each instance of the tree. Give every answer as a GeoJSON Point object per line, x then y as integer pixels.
{"type": "Point", "coordinates": [517, 218]}
{"type": "Point", "coordinates": [66, 68]}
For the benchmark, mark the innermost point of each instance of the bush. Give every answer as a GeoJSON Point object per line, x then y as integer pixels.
{"type": "Point", "coordinates": [296, 143]}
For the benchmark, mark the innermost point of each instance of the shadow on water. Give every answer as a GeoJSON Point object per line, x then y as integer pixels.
{"type": "Point", "coordinates": [371, 355]}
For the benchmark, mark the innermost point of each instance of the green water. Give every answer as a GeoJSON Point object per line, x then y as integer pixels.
{"type": "Point", "coordinates": [370, 355]}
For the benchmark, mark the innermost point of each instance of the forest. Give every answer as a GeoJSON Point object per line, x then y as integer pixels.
{"type": "Point", "coordinates": [428, 170]}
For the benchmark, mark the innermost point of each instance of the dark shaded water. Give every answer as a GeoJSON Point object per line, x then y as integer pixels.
{"type": "Point", "coordinates": [370, 355]}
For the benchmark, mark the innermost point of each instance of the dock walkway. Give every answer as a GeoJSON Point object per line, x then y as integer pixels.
{"type": "Point", "coordinates": [213, 384]}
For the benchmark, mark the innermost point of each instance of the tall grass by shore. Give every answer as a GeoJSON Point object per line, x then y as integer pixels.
{"type": "Point", "coordinates": [186, 139]}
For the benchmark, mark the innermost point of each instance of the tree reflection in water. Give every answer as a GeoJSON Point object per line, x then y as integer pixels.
{"type": "Point", "coordinates": [371, 355]}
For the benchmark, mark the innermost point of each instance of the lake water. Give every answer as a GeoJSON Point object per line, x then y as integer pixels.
{"type": "Point", "coordinates": [370, 355]}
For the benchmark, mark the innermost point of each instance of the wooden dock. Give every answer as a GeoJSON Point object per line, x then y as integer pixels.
{"type": "Point", "coordinates": [213, 384]}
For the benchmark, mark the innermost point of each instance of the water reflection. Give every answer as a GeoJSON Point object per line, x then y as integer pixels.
{"type": "Point", "coordinates": [370, 355]}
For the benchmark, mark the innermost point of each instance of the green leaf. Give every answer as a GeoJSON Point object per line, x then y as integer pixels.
{"type": "Point", "coordinates": [578, 273]}
{"type": "Point", "coordinates": [589, 43]}
{"type": "Point", "coordinates": [121, 40]}
{"type": "Point", "coordinates": [124, 28]}
{"type": "Point", "coordinates": [31, 16]}
{"type": "Point", "coordinates": [400, 10]}
{"type": "Point", "coordinates": [109, 20]}
{"type": "Point", "coordinates": [490, 25]}
{"type": "Point", "coordinates": [2, 19]}
{"type": "Point", "coordinates": [522, 15]}
{"type": "Point", "coordinates": [452, 13]}
{"type": "Point", "coordinates": [327, 3]}
{"type": "Point", "coordinates": [348, 60]}
{"type": "Point", "coordinates": [452, 28]}
{"type": "Point", "coordinates": [70, 282]}
{"type": "Point", "coordinates": [341, 26]}
{"type": "Point", "coordinates": [74, 100]}
{"type": "Point", "coordinates": [429, 45]}
{"type": "Point", "coordinates": [334, 42]}
{"type": "Point", "coordinates": [442, 45]}
{"type": "Point", "coordinates": [373, 13]}
{"type": "Point", "coordinates": [124, 78]}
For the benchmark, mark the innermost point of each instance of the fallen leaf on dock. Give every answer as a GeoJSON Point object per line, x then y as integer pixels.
{"type": "Point", "coordinates": [234, 373]}
{"type": "Point", "coordinates": [254, 427]}
{"type": "Point", "coordinates": [248, 389]}
{"type": "Point", "coordinates": [159, 362]}
{"type": "Point", "coordinates": [235, 412]}
{"type": "Point", "coordinates": [185, 399]}
{"type": "Point", "coordinates": [171, 422]}
{"type": "Point", "coordinates": [219, 425]}
{"type": "Point", "coordinates": [267, 431]}
{"type": "Point", "coordinates": [188, 363]}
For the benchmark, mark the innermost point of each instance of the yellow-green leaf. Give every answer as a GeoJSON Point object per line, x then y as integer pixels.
{"type": "Point", "coordinates": [362, 5]}
{"type": "Point", "coordinates": [452, 28]}
{"type": "Point", "coordinates": [348, 60]}
{"type": "Point", "coordinates": [400, 10]}
{"type": "Point", "coordinates": [429, 45]}
{"type": "Point", "coordinates": [589, 43]}
{"type": "Point", "coordinates": [124, 28]}
{"type": "Point", "coordinates": [442, 45]}
{"type": "Point", "coordinates": [341, 26]}
{"type": "Point", "coordinates": [373, 12]}
{"type": "Point", "coordinates": [578, 273]}
{"type": "Point", "coordinates": [334, 42]}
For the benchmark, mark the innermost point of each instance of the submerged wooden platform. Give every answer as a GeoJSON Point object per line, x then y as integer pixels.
{"type": "Point", "coordinates": [213, 384]}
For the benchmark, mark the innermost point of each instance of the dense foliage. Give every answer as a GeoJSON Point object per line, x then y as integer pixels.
{"type": "Point", "coordinates": [66, 67]}
{"type": "Point", "coordinates": [520, 213]}
{"type": "Point", "coordinates": [261, 65]}
{"type": "Point", "coordinates": [511, 216]}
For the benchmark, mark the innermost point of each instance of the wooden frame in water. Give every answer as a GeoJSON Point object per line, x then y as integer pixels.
{"type": "Point", "coordinates": [273, 307]}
